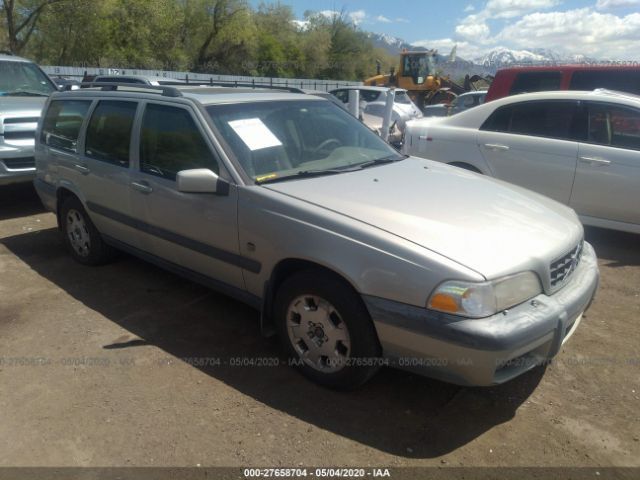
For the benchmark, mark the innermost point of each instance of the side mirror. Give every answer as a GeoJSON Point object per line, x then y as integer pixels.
{"type": "Point", "coordinates": [201, 180]}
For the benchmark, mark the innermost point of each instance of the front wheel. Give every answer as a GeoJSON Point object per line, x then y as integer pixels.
{"type": "Point", "coordinates": [326, 330]}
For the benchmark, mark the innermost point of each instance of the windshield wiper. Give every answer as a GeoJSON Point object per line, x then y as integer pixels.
{"type": "Point", "coordinates": [382, 161]}
{"type": "Point", "coordinates": [30, 93]}
{"type": "Point", "coordinates": [304, 174]}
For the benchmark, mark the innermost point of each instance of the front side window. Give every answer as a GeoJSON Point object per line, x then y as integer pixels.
{"type": "Point", "coordinates": [62, 122]}
{"type": "Point", "coordinates": [279, 139]}
{"type": "Point", "coordinates": [23, 79]}
{"type": "Point", "coordinates": [171, 142]}
{"type": "Point", "coordinates": [536, 82]}
{"type": "Point", "coordinates": [614, 126]}
{"type": "Point", "coordinates": [109, 132]}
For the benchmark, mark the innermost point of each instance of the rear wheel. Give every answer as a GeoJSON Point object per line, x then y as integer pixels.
{"type": "Point", "coordinates": [326, 330]}
{"type": "Point", "coordinates": [81, 237]}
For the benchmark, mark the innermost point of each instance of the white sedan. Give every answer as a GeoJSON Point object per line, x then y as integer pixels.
{"type": "Point", "coordinates": [580, 148]}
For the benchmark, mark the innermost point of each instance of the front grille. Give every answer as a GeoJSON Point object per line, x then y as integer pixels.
{"type": "Point", "coordinates": [562, 268]}
{"type": "Point", "coordinates": [28, 135]}
{"type": "Point", "coordinates": [19, 128]}
{"type": "Point", "coordinates": [13, 121]}
{"type": "Point", "coordinates": [19, 163]}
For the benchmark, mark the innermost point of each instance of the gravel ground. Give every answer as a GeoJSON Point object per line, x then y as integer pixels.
{"type": "Point", "coordinates": [117, 366]}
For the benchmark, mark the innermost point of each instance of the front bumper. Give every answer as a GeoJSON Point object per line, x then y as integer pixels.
{"type": "Point", "coordinates": [485, 351]}
{"type": "Point", "coordinates": [17, 163]}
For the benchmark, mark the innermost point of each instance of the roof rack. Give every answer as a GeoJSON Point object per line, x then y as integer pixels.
{"type": "Point", "coordinates": [165, 91]}
{"type": "Point", "coordinates": [244, 85]}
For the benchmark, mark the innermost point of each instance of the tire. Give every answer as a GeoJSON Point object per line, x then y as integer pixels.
{"type": "Point", "coordinates": [336, 323]}
{"type": "Point", "coordinates": [82, 238]}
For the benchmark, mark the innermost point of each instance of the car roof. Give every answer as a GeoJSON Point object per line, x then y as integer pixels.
{"type": "Point", "coordinates": [476, 115]}
{"type": "Point", "coordinates": [142, 77]}
{"type": "Point", "coordinates": [475, 92]}
{"type": "Point", "coordinates": [599, 93]}
{"type": "Point", "coordinates": [202, 94]}
{"type": "Point", "coordinates": [371, 89]}
{"type": "Point", "coordinates": [567, 67]}
{"type": "Point", "coordinates": [12, 58]}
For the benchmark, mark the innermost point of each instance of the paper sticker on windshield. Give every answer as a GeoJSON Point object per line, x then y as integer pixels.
{"type": "Point", "coordinates": [254, 133]}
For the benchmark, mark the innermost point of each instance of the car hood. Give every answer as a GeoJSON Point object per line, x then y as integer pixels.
{"type": "Point", "coordinates": [484, 224]}
{"type": "Point", "coordinates": [10, 106]}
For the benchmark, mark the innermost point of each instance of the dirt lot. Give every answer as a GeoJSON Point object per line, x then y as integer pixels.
{"type": "Point", "coordinates": [104, 367]}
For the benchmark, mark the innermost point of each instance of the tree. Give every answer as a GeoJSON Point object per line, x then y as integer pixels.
{"type": "Point", "coordinates": [221, 33]}
{"type": "Point", "coordinates": [21, 19]}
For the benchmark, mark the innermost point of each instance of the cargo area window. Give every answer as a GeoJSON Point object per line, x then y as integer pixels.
{"type": "Point", "coordinates": [109, 132]}
{"type": "Point", "coordinates": [170, 141]}
{"type": "Point", "coordinates": [536, 82]}
{"type": "Point", "coordinates": [62, 122]}
{"type": "Point", "coordinates": [622, 80]}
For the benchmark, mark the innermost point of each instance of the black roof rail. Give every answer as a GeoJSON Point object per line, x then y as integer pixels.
{"type": "Point", "coordinates": [165, 91]}
{"type": "Point", "coordinates": [244, 85]}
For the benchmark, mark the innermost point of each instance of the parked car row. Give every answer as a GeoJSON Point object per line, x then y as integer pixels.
{"type": "Point", "coordinates": [579, 148]}
{"type": "Point", "coordinates": [24, 88]}
{"type": "Point", "coordinates": [459, 104]}
{"type": "Point", "coordinates": [356, 256]}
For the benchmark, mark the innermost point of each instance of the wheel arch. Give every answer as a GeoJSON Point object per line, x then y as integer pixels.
{"type": "Point", "coordinates": [283, 270]}
{"type": "Point", "coordinates": [466, 166]}
{"type": "Point", "coordinates": [63, 192]}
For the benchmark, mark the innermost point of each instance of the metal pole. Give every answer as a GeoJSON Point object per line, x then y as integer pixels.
{"type": "Point", "coordinates": [354, 103]}
{"type": "Point", "coordinates": [388, 111]}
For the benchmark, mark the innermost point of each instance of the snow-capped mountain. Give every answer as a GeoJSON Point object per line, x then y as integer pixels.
{"type": "Point", "coordinates": [486, 64]}
{"type": "Point", "coordinates": [502, 57]}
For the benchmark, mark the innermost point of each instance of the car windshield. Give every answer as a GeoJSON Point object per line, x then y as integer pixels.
{"type": "Point", "coordinates": [23, 78]}
{"type": "Point", "coordinates": [276, 140]}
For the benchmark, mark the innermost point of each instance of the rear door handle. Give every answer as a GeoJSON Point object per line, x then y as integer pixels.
{"type": "Point", "coordinates": [496, 146]}
{"type": "Point", "coordinates": [81, 168]}
{"type": "Point", "coordinates": [142, 187]}
{"type": "Point", "coordinates": [595, 160]}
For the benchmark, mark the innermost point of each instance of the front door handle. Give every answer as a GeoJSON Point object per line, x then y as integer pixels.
{"type": "Point", "coordinates": [142, 187]}
{"type": "Point", "coordinates": [595, 161]}
{"type": "Point", "coordinates": [81, 168]}
{"type": "Point", "coordinates": [496, 146]}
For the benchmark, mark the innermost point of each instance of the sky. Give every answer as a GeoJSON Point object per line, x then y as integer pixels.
{"type": "Point", "coordinates": [605, 29]}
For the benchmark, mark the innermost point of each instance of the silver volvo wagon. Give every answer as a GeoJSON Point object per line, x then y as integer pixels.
{"type": "Point", "coordinates": [355, 255]}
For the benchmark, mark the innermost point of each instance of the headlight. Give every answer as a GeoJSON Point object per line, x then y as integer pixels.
{"type": "Point", "coordinates": [477, 300]}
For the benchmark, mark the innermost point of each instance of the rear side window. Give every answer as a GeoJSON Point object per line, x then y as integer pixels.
{"type": "Point", "coordinates": [614, 125]}
{"type": "Point", "coordinates": [558, 119]}
{"type": "Point", "coordinates": [623, 80]}
{"type": "Point", "coordinates": [109, 132]}
{"type": "Point", "coordinates": [536, 82]}
{"type": "Point", "coordinates": [369, 95]}
{"type": "Point", "coordinates": [118, 80]}
{"type": "Point", "coordinates": [171, 141]}
{"type": "Point", "coordinates": [62, 122]}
